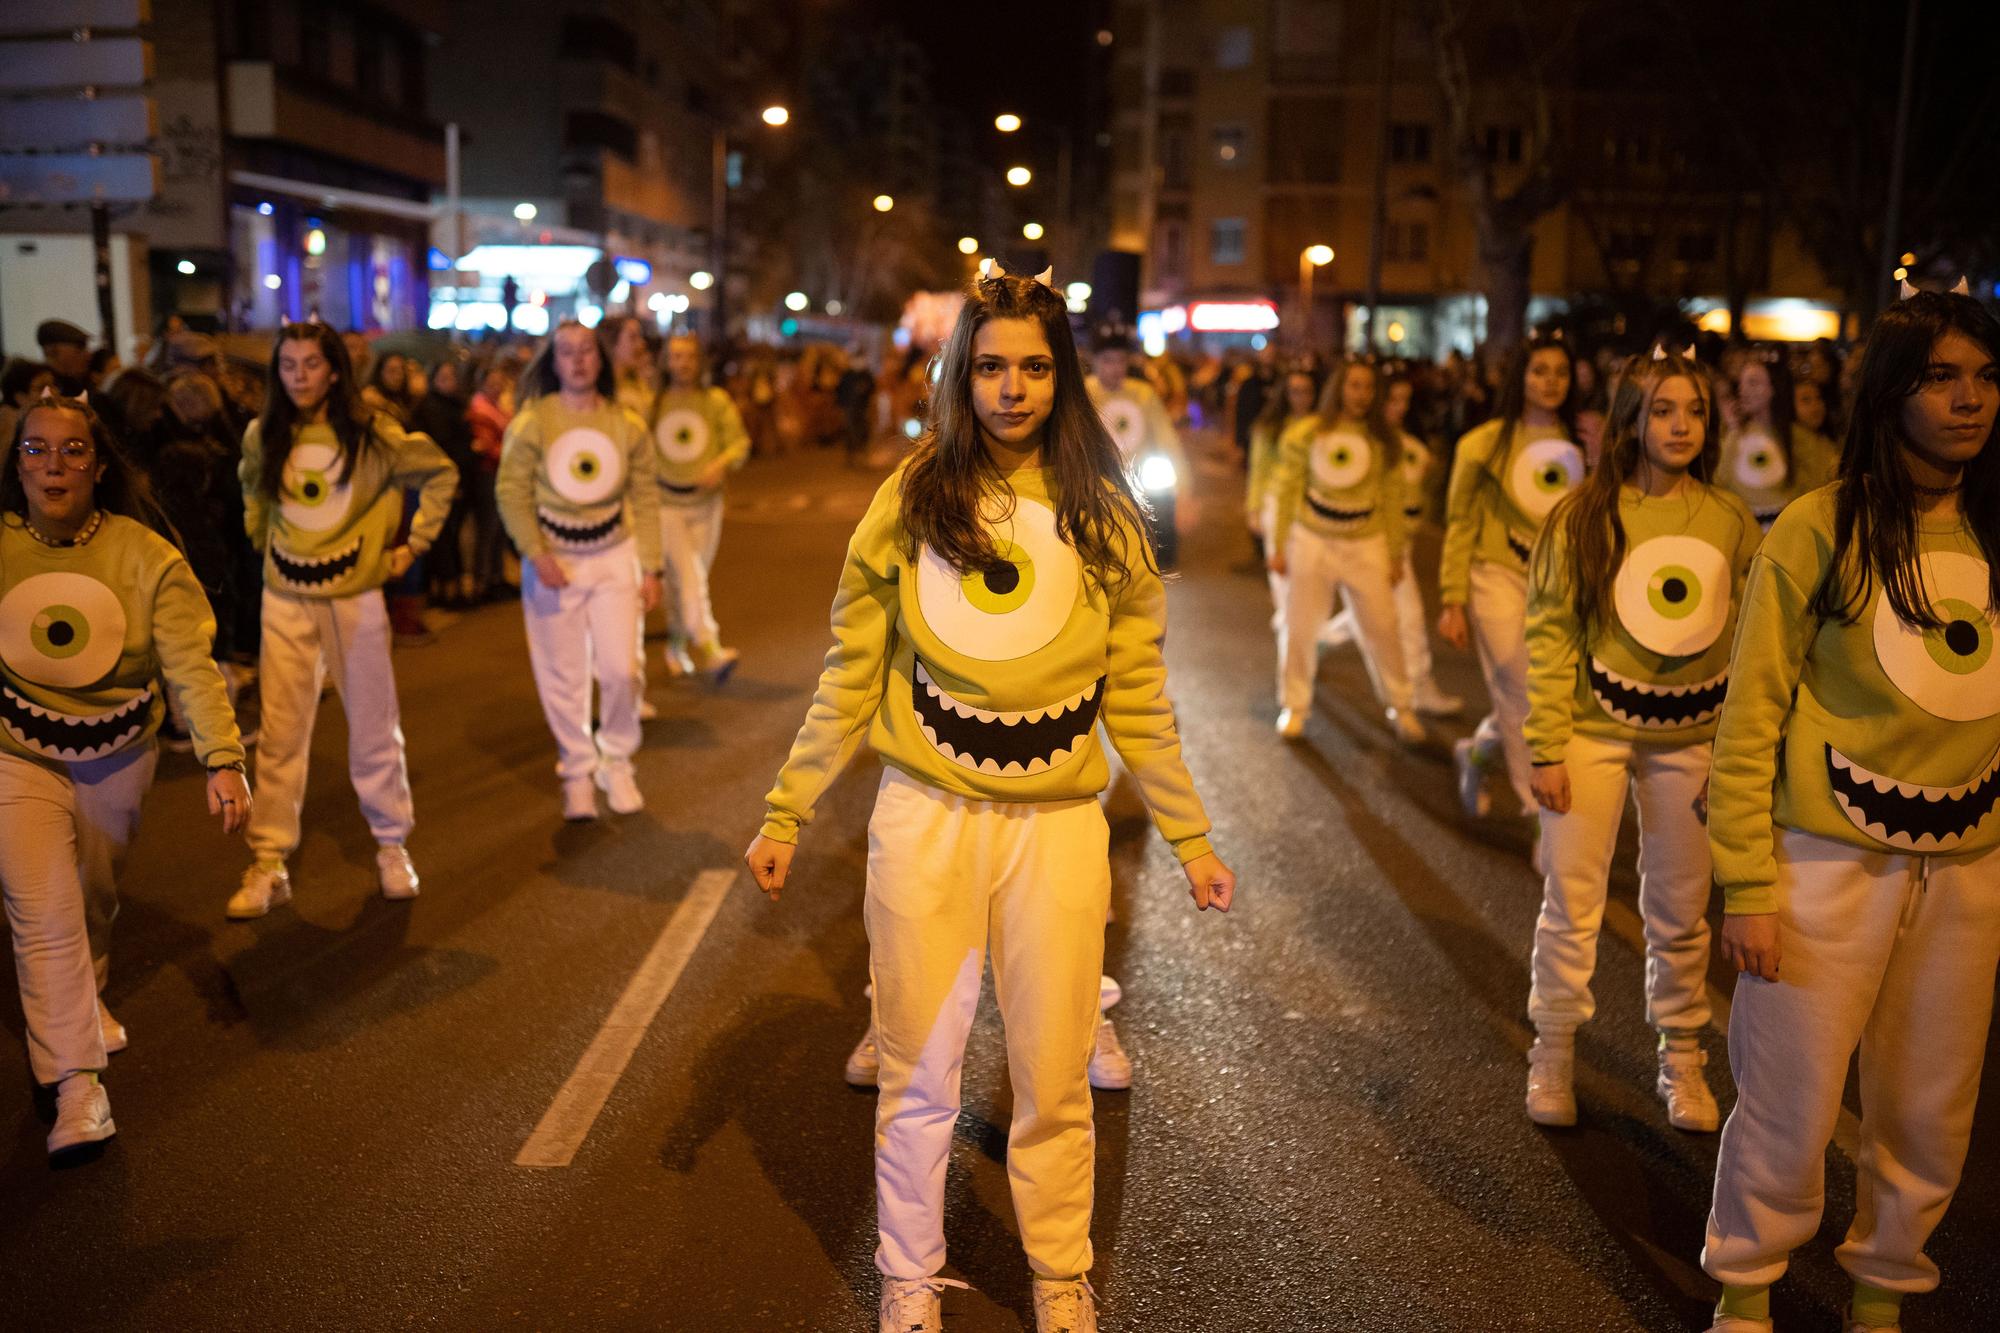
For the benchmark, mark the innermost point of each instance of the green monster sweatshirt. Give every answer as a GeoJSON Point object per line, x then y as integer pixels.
{"type": "Point", "coordinates": [1138, 424]}
{"type": "Point", "coordinates": [1496, 503]}
{"type": "Point", "coordinates": [1752, 465]}
{"type": "Point", "coordinates": [1876, 734]}
{"type": "Point", "coordinates": [574, 483]}
{"type": "Point", "coordinates": [329, 534]}
{"type": "Point", "coordinates": [692, 429]}
{"type": "Point", "coordinates": [993, 686]}
{"type": "Point", "coordinates": [1654, 672]}
{"type": "Point", "coordinates": [1338, 481]}
{"type": "Point", "coordinates": [87, 634]}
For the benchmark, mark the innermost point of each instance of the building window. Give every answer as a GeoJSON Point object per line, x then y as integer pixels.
{"type": "Point", "coordinates": [1302, 141]}
{"type": "Point", "coordinates": [1226, 240]}
{"type": "Point", "coordinates": [594, 37]}
{"type": "Point", "coordinates": [249, 31]}
{"type": "Point", "coordinates": [1504, 144]}
{"type": "Point", "coordinates": [1173, 250]}
{"type": "Point", "coordinates": [1233, 48]}
{"type": "Point", "coordinates": [1409, 143]}
{"type": "Point", "coordinates": [1174, 132]}
{"type": "Point", "coordinates": [315, 40]}
{"type": "Point", "coordinates": [1232, 142]}
{"type": "Point", "coordinates": [596, 129]}
{"type": "Point", "coordinates": [1408, 242]}
{"type": "Point", "coordinates": [1177, 83]}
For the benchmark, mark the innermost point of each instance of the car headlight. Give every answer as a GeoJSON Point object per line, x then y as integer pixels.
{"type": "Point", "coordinates": [1156, 473]}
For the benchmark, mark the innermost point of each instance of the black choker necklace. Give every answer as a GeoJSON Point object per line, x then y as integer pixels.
{"type": "Point", "coordinates": [1939, 492]}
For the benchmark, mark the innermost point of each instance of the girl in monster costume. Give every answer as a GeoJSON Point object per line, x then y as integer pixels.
{"type": "Point", "coordinates": [1634, 588]}
{"type": "Point", "coordinates": [998, 603]}
{"type": "Point", "coordinates": [1419, 476]}
{"type": "Point", "coordinates": [1768, 458]}
{"type": "Point", "coordinates": [1854, 814]}
{"type": "Point", "coordinates": [1291, 404]}
{"type": "Point", "coordinates": [700, 440]}
{"type": "Point", "coordinates": [575, 491]}
{"type": "Point", "coordinates": [633, 371]}
{"type": "Point", "coordinates": [323, 483]}
{"type": "Point", "coordinates": [1339, 527]}
{"type": "Point", "coordinates": [1507, 475]}
{"type": "Point", "coordinates": [96, 610]}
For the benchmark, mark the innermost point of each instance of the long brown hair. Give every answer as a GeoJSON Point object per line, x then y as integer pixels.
{"type": "Point", "coordinates": [1277, 410]}
{"type": "Point", "coordinates": [951, 474]}
{"type": "Point", "coordinates": [278, 426]}
{"type": "Point", "coordinates": [1513, 401]}
{"type": "Point", "coordinates": [540, 378]}
{"type": "Point", "coordinates": [1875, 507]}
{"type": "Point", "coordinates": [1592, 533]}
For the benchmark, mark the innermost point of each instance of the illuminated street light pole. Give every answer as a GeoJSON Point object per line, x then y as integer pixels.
{"type": "Point", "coordinates": [718, 224]}
{"type": "Point", "coordinates": [1310, 258]}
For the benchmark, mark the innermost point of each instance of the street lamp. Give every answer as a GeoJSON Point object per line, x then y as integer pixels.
{"type": "Point", "coordinates": [968, 245]}
{"type": "Point", "coordinates": [701, 279]}
{"type": "Point", "coordinates": [796, 301]}
{"type": "Point", "coordinates": [1018, 176]}
{"type": "Point", "coordinates": [1033, 231]}
{"type": "Point", "coordinates": [883, 203]}
{"type": "Point", "coordinates": [1006, 122]}
{"type": "Point", "coordinates": [718, 223]}
{"type": "Point", "coordinates": [1310, 258]}
{"type": "Point", "coordinates": [524, 212]}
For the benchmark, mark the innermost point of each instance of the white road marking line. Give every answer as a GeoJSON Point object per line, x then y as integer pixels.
{"type": "Point", "coordinates": [568, 1120]}
{"type": "Point", "coordinates": [1624, 922]}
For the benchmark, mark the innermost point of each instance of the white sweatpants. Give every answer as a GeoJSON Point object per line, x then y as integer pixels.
{"type": "Point", "coordinates": [948, 879]}
{"type": "Point", "coordinates": [1674, 879]}
{"type": "Point", "coordinates": [1871, 955]}
{"type": "Point", "coordinates": [306, 641]}
{"type": "Point", "coordinates": [63, 835]}
{"type": "Point", "coordinates": [589, 627]}
{"type": "Point", "coordinates": [1412, 629]}
{"type": "Point", "coordinates": [1499, 615]}
{"type": "Point", "coordinates": [1357, 568]}
{"type": "Point", "coordinates": [689, 537]}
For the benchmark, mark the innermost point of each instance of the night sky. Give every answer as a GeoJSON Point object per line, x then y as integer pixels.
{"type": "Point", "coordinates": [1029, 57]}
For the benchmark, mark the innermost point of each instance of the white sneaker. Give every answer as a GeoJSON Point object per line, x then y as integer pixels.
{"type": "Point", "coordinates": [579, 799]}
{"type": "Point", "coordinates": [115, 1037]}
{"type": "Point", "coordinates": [1065, 1307]}
{"type": "Point", "coordinates": [263, 888]}
{"type": "Point", "coordinates": [621, 789]}
{"type": "Point", "coordinates": [1472, 793]}
{"type": "Point", "coordinates": [864, 1065]}
{"type": "Point", "coordinates": [648, 712]}
{"type": "Point", "coordinates": [393, 868]}
{"type": "Point", "coordinates": [913, 1305]}
{"type": "Point", "coordinates": [1551, 1085]}
{"type": "Point", "coordinates": [1110, 1067]}
{"type": "Point", "coordinates": [1291, 725]}
{"type": "Point", "coordinates": [1684, 1088]}
{"type": "Point", "coordinates": [1428, 699]}
{"type": "Point", "coordinates": [676, 658]}
{"type": "Point", "coordinates": [83, 1114]}
{"type": "Point", "coordinates": [1406, 726]}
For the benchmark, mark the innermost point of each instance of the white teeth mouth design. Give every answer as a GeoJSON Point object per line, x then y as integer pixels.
{"type": "Point", "coordinates": [68, 737]}
{"type": "Point", "coordinates": [1005, 744]}
{"type": "Point", "coordinates": [1523, 551]}
{"type": "Point", "coordinates": [580, 536]}
{"type": "Point", "coordinates": [1333, 515]}
{"type": "Point", "coordinates": [1766, 515]}
{"type": "Point", "coordinates": [1907, 816]}
{"type": "Point", "coordinates": [1656, 707]}
{"type": "Point", "coordinates": [302, 571]}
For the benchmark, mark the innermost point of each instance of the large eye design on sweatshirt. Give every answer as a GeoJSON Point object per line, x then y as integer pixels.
{"type": "Point", "coordinates": [1415, 463]}
{"type": "Point", "coordinates": [313, 501]}
{"type": "Point", "coordinates": [1542, 474]}
{"type": "Point", "coordinates": [1126, 426]}
{"type": "Point", "coordinates": [1951, 672]}
{"type": "Point", "coordinates": [1672, 595]}
{"type": "Point", "coordinates": [682, 435]}
{"type": "Point", "coordinates": [584, 466]}
{"type": "Point", "coordinates": [61, 630]}
{"type": "Point", "coordinates": [1341, 459]}
{"type": "Point", "coordinates": [999, 615]}
{"type": "Point", "coordinates": [1760, 463]}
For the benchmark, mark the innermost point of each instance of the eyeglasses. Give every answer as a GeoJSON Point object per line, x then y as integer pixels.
{"type": "Point", "coordinates": [75, 454]}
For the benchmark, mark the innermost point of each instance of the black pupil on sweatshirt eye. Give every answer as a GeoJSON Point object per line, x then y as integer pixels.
{"type": "Point", "coordinates": [312, 490]}
{"type": "Point", "coordinates": [61, 633]}
{"type": "Point", "coordinates": [1003, 580]}
{"type": "Point", "coordinates": [1674, 591]}
{"type": "Point", "coordinates": [1960, 636]}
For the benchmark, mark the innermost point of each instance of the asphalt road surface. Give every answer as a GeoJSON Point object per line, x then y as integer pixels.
{"type": "Point", "coordinates": [322, 1114]}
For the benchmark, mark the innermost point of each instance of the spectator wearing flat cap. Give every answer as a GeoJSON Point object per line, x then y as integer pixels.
{"type": "Point", "coordinates": [66, 349]}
